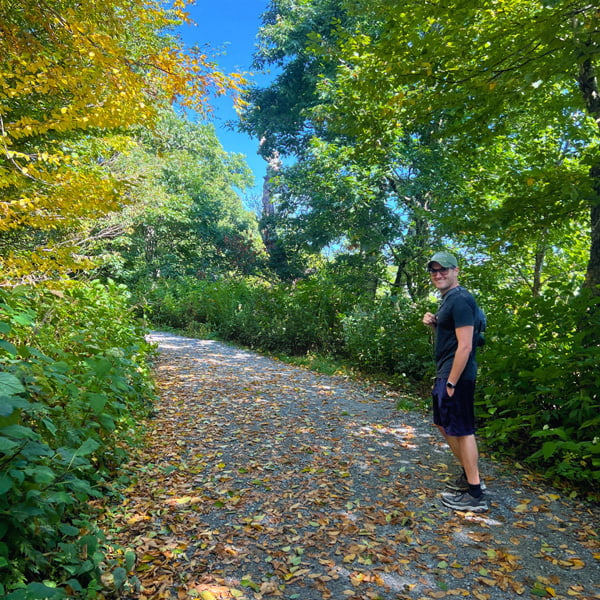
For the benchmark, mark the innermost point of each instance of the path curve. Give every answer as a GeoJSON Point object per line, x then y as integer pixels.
{"type": "Point", "coordinates": [264, 480]}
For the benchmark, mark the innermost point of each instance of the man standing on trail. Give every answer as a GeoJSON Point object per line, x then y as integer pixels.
{"type": "Point", "coordinates": [453, 393]}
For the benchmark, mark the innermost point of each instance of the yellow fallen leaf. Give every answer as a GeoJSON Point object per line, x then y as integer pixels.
{"type": "Point", "coordinates": [577, 563]}
{"type": "Point", "coordinates": [575, 590]}
{"type": "Point", "coordinates": [137, 518]}
{"type": "Point", "coordinates": [207, 595]}
{"type": "Point", "coordinates": [550, 497]}
{"type": "Point", "coordinates": [184, 500]}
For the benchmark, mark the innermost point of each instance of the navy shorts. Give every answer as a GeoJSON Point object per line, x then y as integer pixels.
{"type": "Point", "coordinates": [455, 414]}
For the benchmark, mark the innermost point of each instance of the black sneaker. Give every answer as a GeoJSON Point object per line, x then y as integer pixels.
{"type": "Point", "coordinates": [466, 502]}
{"type": "Point", "coordinates": [460, 484]}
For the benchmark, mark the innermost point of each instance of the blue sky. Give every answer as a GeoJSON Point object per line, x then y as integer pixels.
{"type": "Point", "coordinates": [230, 26]}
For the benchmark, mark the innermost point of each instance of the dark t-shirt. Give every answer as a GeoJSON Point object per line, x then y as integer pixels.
{"type": "Point", "coordinates": [458, 309]}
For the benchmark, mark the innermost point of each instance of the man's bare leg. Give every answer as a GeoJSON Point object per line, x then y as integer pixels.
{"type": "Point", "coordinates": [469, 457]}
{"type": "Point", "coordinates": [465, 450]}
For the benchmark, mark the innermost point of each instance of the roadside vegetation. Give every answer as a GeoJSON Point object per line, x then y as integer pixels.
{"type": "Point", "coordinates": [386, 137]}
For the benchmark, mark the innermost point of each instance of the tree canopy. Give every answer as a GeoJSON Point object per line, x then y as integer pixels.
{"type": "Point", "coordinates": [185, 216]}
{"type": "Point", "coordinates": [518, 73]}
{"type": "Point", "coordinates": [479, 122]}
{"type": "Point", "coordinates": [76, 75]}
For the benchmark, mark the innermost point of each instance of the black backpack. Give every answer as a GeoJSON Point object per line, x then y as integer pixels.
{"type": "Point", "coordinates": [480, 325]}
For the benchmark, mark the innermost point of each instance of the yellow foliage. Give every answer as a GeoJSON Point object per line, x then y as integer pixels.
{"type": "Point", "coordinates": [75, 70]}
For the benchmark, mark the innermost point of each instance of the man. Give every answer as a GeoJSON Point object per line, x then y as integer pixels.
{"type": "Point", "coordinates": [453, 393]}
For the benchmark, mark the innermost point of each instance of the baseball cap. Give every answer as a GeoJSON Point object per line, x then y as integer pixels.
{"type": "Point", "coordinates": [445, 259]}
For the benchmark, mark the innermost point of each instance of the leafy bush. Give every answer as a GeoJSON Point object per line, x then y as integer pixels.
{"type": "Point", "coordinates": [292, 318]}
{"type": "Point", "coordinates": [73, 376]}
{"type": "Point", "coordinates": [389, 337]}
{"type": "Point", "coordinates": [540, 400]}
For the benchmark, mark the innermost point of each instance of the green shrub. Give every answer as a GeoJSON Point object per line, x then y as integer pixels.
{"type": "Point", "coordinates": [540, 398]}
{"type": "Point", "coordinates": [389, 337]}
{"type": "Point", "coordinates": [293, 318]}
{"type": "Point", "coordinates": [73, 375]}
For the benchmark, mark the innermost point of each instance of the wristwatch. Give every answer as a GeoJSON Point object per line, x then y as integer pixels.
{"type": "Point", "coordinates": [450, 385]}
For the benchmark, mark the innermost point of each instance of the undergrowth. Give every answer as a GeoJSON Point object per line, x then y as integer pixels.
{"type": "Point", "coordinates": [75, 382]}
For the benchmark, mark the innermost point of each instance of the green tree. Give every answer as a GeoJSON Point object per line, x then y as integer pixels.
{"type": "Point", "coordinates": [331, 205]}
{"type": "Point", "coordinates": [185, 215]}
{"type": "Point", "coordinates": [375, 210]}
{"type": "Point", "coordinates": [471, 73]}
{"type": "Point", "coordinates": [278, 113]}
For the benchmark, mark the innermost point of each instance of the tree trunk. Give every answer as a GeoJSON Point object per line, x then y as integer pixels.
{"type": "Point", "coordinates": [150, 250]}
{"type": "Point", "coordinates": [588, 84]}
{"type": "Point", "coordinates": [537, 271]}
{"type": "Point", "coordinates": [592, 279]}
{"type": "Point", "coordinates": [267, 229]}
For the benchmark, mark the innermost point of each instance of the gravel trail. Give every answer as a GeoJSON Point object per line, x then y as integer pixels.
{"type": "Point", "coordinates": [264, 480]}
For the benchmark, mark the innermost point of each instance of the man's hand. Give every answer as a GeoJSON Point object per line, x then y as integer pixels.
{"type": "Point", "coordinates": [430, 320]}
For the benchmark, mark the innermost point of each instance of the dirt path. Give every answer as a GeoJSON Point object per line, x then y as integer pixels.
{"type": "Point", "coordinates": [263, 480]}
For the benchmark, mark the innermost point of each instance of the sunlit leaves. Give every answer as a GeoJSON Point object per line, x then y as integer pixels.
{"type": "Point", "coordinates": [185, 215]}
{"type": "Point", "coordinates": [70, 378]}
{"type": "Point", "coordinates": [501, 84]}
{"type": "Point", "coordinates": [80, 70]}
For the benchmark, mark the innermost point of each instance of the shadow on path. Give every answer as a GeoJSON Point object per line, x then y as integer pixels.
{"type": "Point", "coordinates": [263, 480]}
